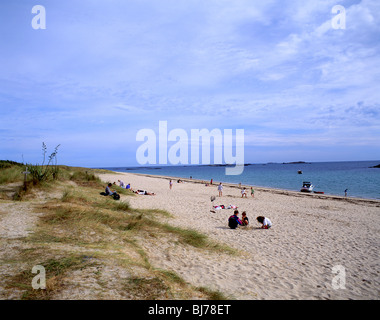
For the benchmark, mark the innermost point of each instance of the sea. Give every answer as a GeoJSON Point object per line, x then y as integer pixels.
{"type": "Point", "coordinates": [331, 178]}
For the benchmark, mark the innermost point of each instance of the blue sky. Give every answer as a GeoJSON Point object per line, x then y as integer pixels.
{"type": "Point", "coordinates": [103, 70]}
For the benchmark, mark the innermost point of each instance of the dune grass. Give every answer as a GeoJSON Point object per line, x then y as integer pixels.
{"type": "Point", "coordinates": [85, 224]}
{"type": "Point", "coordinates": [77, 209]}
{"type": "Point", "coordinates": [11, 172]}
{"type": "Point", "coordinates": [56, 269]}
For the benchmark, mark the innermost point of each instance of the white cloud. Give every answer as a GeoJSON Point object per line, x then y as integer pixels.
{"type": "Point", "coordinates": [197, 64]}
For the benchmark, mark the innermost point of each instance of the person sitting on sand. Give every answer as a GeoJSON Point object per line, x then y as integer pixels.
{"type": "Point", "coordinates": [244, 219]}
{"type": "Point", "coordinates": [265, 221]}
{"type": "Point", "coordinates": [121, 183]}
{"type": "Point", "coordinates": [243, 193]}
{"type": "Point", "coordinates": [128, 186]}
{"type": "Point", "coordinates": [234, 221]}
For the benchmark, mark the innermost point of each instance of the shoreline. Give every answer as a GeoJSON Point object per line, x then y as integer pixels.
{"type": "Point", "coordinates": [356, 200]}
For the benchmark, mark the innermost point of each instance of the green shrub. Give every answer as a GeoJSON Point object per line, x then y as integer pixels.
{"type": "Point", "coordinates": [44, 171]}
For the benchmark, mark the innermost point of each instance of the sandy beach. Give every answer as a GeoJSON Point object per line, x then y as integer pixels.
{"type": "Point", "coordinates": [315, 240]}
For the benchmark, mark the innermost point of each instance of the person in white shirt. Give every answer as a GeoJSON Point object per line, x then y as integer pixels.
{"type": "Point", "coordinates": [121, 183]}
{"type": "Point", "coordinates": [265, 221]}
{"type": "Point", "coordinates": [220, 189]}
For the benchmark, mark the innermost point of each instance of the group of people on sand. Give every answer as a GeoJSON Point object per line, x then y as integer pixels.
{"type": "Point", "coordinates": [122, 184]}
{"type": "Point", "coordinates": [116, 196]}
{"type": "Point", "coordinates": [243, 191]}
{"type": "Point", "coordinates": [171, 183]}
{"type": "Point", "coordinates": [234, 221]}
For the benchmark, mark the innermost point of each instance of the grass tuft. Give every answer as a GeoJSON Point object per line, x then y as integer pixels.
{"type": "Point", "coordinates": [56, 269]}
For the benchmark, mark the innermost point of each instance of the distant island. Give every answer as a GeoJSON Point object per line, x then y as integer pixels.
{"type": "Point", "coordinates": [296, 162]}
{"type": "Point", "coordinates": [377, 166]}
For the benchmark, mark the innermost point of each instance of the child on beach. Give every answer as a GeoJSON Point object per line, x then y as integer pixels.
{"type": "Point", "coordinates": [220, 189]}
{"type": "Point", "coordinates": [265, 221]}
{"type": "Point", "coordinates": [252, 193]}
{"type": "Point", "coordinates": [170, 184]}
{"type": "Point", "coordinates": [234, 221]}
{"type": "Point", "coordinates": [243, 193]}
{"type": "Point", "coordinates": [244, 219]}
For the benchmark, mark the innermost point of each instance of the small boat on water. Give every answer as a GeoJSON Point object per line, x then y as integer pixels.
{"type": "Point", "coordinates": [299, 171]}
{"type": "Point", "coordinates": [307, 187]}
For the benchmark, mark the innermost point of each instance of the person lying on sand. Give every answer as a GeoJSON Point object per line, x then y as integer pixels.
{"type": "Point", "coordinates": [265, 221]}
{"type": "Point", "coordinates": [145, 193]}
{"type": "Point", "coordinates": [222, 206]}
